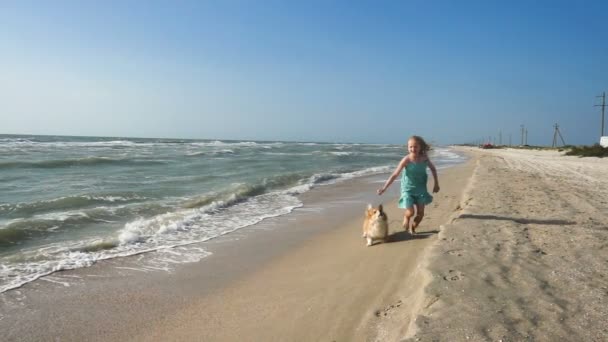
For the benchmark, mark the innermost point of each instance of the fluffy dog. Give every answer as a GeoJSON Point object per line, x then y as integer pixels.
{"type": "Point", "coordinates": [375, 224]}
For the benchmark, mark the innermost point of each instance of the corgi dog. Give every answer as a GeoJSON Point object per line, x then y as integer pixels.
{"type": "Point", "coordinates": [375, 224]}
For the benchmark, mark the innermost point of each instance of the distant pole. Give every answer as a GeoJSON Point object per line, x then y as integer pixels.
{"type": "Point", "coordinates": [603, 105]}
{"type": "Point", "coordinates": [555, 134]}
{"type": "Point", "coordinates": [509, 139]}
{"type": "Point", "coordinates": [499, 137]}
{"type": "Point", "coordinates": [522, 134]}
{"type": "Point", "coordinates": [526, 140]}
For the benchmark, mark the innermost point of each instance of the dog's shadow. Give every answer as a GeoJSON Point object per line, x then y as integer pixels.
{"type": "Point", "coordinates": [405, 236]}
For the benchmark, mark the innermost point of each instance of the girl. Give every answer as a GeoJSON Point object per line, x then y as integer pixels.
{"type": "Point", "coordinates": [413, 182]}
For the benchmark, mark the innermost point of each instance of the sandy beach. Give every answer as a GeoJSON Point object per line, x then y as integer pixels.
{"type": "Point", "coordinates": [526, 257]}
{"type": "Point", "coordinates": [513, 248]}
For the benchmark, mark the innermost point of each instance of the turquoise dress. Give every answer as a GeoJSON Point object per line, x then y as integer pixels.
{"type": "Point", "coordinates": [413, 185]}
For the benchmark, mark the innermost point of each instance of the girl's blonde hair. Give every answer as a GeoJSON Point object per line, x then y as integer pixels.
{"type": "Point", "coordinates": [424, 147]}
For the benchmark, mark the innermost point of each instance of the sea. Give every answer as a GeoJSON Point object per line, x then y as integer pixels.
{"type": "Point", "coordinates": [68, 202]}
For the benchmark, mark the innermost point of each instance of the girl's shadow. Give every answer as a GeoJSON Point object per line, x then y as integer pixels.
{"type": "Point", "coordinates": [404, 236]}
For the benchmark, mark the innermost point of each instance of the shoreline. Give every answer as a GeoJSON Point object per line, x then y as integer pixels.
{"type": "Point", "coordinates": [115, 300]}
{"type": "Point", "coordinates": [331, 287]}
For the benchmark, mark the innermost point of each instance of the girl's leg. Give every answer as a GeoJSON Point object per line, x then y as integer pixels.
{"type": "Point", "coordinates": [409, 212]}
{"type": "Point", "coordinates": [419, 216]}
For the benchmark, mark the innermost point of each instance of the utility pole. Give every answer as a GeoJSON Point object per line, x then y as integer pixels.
{"type": "Point", "coordinates": [522, 134]}
{"type": "Point", "coordinates": [526, 140]}
{"type": "Point", "coordinates": [500, 138]}
{"type": "Point", "coordinates": [603, 105]}
{"type": "Point", "coordinates": [555, 134]}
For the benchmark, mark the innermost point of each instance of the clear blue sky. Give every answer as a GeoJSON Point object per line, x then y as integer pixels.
{"type": "Point", "coordinates": [339, 71]}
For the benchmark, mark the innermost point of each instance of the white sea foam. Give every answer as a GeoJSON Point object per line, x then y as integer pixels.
{"type": "Point", "coordinates": [342, 153]}
{"type": "Point", "coordinates": [217, 143]}
{"type": "Point", "coordinates": [448, 154]}
{"type": "Point", "coordinates": [181, 228]}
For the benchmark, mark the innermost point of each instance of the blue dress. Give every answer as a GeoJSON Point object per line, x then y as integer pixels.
{"type": "Point", "coordinates": [413, 185]}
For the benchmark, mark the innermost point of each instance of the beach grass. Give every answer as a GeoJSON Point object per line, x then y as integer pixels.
{"type": "Point", "coordinates": [588, 151]}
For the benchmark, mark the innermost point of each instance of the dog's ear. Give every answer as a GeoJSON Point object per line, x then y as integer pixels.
{"type": "Point", "coordinates": [380, 208]}
{"type": "Point", "coordinates": [369, 206]}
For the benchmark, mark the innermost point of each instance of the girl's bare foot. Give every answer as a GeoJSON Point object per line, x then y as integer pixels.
{"type": "Point", "coordinates": [406, 225]}
{"type": "Point", "coordinates": [416, 222]}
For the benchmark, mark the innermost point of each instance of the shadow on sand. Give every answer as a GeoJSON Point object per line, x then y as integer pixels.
{"type": "Point", "coordinates": [516, 219]}
{"type": "Point", "coordinates": [404, 236]}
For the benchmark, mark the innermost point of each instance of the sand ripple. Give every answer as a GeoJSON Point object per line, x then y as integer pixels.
{"type": "Point", "coordinates": [526, 256]}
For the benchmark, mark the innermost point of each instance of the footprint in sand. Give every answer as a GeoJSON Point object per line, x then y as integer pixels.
{"type": "Point", "coordinates": [454, 275]}
{"type": "Point", "coordinates": [457, 252]}
{"type": "Point", "coordinates": [388, 309]}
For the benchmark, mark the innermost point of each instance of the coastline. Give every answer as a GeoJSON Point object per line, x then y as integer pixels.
{"type": "Point", "coordinates": [514, 247]}
{"type": "Point", "coordinates": [284, 265]}
{"type": "Point", "coordinates": [331, 287]}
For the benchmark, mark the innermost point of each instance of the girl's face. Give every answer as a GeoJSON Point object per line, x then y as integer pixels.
{"type": "Point", "coordinates": [413, 147]}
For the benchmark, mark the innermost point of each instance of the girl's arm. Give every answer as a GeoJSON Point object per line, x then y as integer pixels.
{"type": "Point", "coordinates": [393, 176]}
{"type": "Point", "coordinates": [435, 178]}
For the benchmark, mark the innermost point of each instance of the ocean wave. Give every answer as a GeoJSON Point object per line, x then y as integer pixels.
{"type": "Point", "coordinates": [16, 141]}
{"type": "Point", "coordinates": [11, 236]}
{"type": "Point", "coordinates": [40, 226]}
{"type": "Point", "coordinates": [64, 163]}
{"type": "Point", "coordinates": [234, 146]}
{"type": "Point", "coordinates": [241, 192]}
{"type": "Point", "coordinates": [25, 142]}
{"type": "Point", "coordinates": [67, 202]}
{"type": "Point", "coordinates": [20, 230]}
{"type": "Point", "coordinates": [291, 183]}
{"type": "Point", "coordinates": [322, 178]}
{"type": "Point", "coordinates": [448, 154]}
{"type": "Point", "coordinates": [342, 153]}
{"type": "Point", "coordinates": [160, 232]}
{"type": "Point", "coordinates": [219, 143]}
{"type": "Point", "coordinates": [192, 225]}
{"type": "Point", "coordinates": [210, 153]}
{"type": "Point", "coordinates": [288, 153]}
{"type": "Point", "coordinates": [367, 172]}
{"type": "Point", "coordinates": [97, 246]}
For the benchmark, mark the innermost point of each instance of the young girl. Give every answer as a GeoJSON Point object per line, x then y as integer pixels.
{"type": "Point", "coordinates": [413, 182]}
